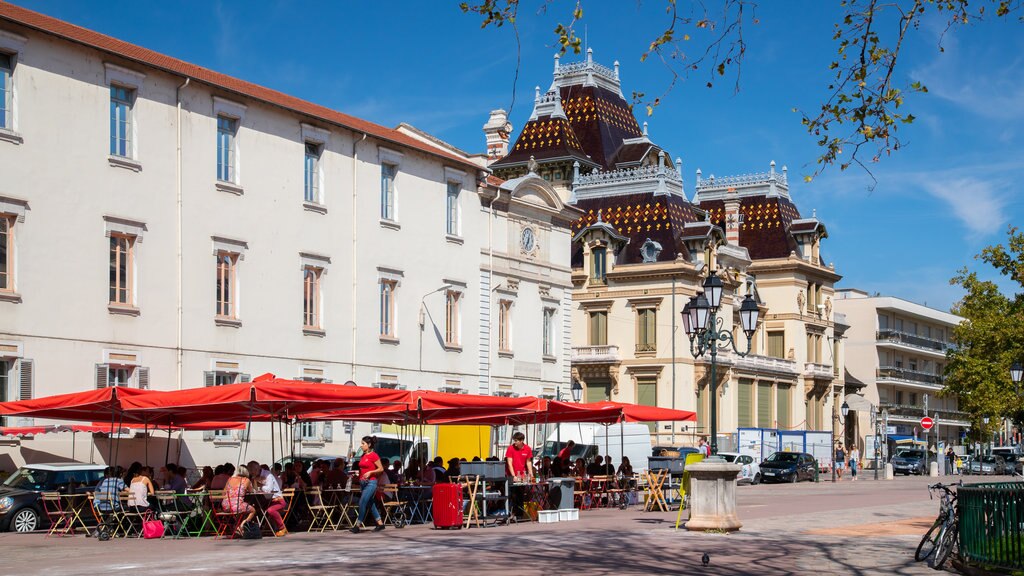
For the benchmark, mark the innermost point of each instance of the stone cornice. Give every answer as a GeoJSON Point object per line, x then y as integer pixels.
{"type": "Point", "coordinates": [794, 264]}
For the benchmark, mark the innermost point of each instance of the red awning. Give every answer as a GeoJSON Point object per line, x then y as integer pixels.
{"type": "Point", "coordinates": [429, 407]}
{"type": "Point", "coordinates": [612, 412]}
{"type": "Point", "coordinates": [97, 404]}
{"type": "Point", "coordinates": [20, 431]}
{"type": "Point", "coordinates": [54, 428]}
{"type": "Point", "coordinates": [265, 397]}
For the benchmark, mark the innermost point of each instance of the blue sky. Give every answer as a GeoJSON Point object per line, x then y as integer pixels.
{"type": "Point", "coordinates": [948, 193]}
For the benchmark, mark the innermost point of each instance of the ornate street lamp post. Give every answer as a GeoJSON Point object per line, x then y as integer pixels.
{"type": "Point", "coordinates": [845, 410]}
{"type": "Point", "coordinates": [705, 329]}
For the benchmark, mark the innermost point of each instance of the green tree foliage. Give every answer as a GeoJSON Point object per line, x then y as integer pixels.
{"type": "Point", "coordinates": [858, 122]}
{"type": "Point", "coordinates": [989, 340]}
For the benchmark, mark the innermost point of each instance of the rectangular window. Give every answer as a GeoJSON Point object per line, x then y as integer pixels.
{"type": "Point", "coordinates": [746, 403]}
{"type": "Point", "coordinates": [549, 332]}
{"type": "Point", "coordinates": [777, 344]}
{"type": "Point", "coordinates": [122, 269]}
{"type": "Point", "coordinates": [121, 100]}
{"type": "Point", "coordinates": [227, 129]}
{"type": "Point", "coordinates": [227, 297]}
{"type": "Point", "coordinates": [598, 391]}
{"type": "Point", "coordinates": [311, 297]}
{"type": "Point", "coordinates": [6, 92]}
{"type": "Point", "coordinates": [764, 405]}
{"type": "Point", "coordinates": [598, 328]}
{"type": "Point", "coordinates": [782, 406]}
{"type": "Point", "coordinates": [505, 326]}
{"type": "Point", "coordinates": [702, 409]}
{"type": "Point", "coordinates": [6, 253]}
{"type": "Point", "coordinates": [452, 211]}
{"type": "Point", "coordinates": [387, 308]}
{"type": "Point", "coordinates": [223, 379]}
{"type": "Point", "coordinates": [647, 395]}
{"type": "Point", "coordinates": [387, 191]}
{"type": "Point", "coordinates": [312, 173]}
{"type": "Point", "coordinates": [597, 268]}
{"type": "Point", "coordinates": [119, 376]}
{"type": "Point", "coordinates": [646, 330]}
{"type": "Point", "coordinates": [451, 317]}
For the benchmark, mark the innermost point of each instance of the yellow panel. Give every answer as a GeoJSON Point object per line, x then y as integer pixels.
{"type": "Point", "coordinates": [463, 442]}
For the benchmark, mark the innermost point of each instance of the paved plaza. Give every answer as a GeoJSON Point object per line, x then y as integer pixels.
{"type": "Point", "coordinates": [860, 528]}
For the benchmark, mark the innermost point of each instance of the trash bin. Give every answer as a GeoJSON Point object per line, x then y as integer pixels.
{"type": "Point", "coordinates": [560, 493]}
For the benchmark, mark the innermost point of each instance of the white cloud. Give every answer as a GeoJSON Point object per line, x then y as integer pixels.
{"type": "Point", "coordinates": [979, 204]}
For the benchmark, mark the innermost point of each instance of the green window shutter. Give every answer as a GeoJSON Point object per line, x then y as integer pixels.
{"type": "Point", "coordinates": [764, 405]}
{"type": "Point", "coordinates": [598, 328]}
{"type": "Point", "coordinates": [598, 391]}
{"type": "Point", "coordinates": [647, 395]}
{"type": "Point", "coordinates": [700, 409]}
{"type": "Point", "coordinates": [783, 406]}
{"type": "Point", "coordinates": [746, 403]}
{"type": "Point", "coordinates": [777, 344]}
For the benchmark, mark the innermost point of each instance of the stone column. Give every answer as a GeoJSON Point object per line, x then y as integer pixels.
{"type": "Point", "coordinates": [713, 496]}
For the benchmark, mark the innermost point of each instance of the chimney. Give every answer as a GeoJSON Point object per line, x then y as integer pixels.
{"type": "Point", "coordinates": [497, 132]}
{"type": "Point", "coordinates": [733, 217]}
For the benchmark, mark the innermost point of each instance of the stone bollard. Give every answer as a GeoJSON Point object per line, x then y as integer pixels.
{"type": "Point", "coordinates": [933, 469]}
{"type": "Point", "coordinates": [888, 471]}
{"type": "Point", "coordinates": [713, 495]}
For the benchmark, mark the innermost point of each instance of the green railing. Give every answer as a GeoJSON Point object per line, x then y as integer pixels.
{"type": "Point", "coordinates": [992, 524]}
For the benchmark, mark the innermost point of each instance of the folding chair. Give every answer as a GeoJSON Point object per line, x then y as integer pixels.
{"type": "Point", "coordinates": [171, 513]}
{"type": "Point", "coordinates": [599, 491]}
{"type": "Point", "coordinates": [655, 491]}
{"type": "Point", "coordinates": [106, 522]}
{"type": "Point", "coordinates": [60, 518]}
{"type": "Point", "coordinates": [394, 508]}
{"type": "Point", "coordinates": [470, 486]}
{"type": "Point", "coordinates": [289, 497]}
{"type": "Point", "coordinates": [348, 507]}
{"type": "Point", "coordinates": [225, 521]}
{"type": "Point", "coordinates": [129, 519]}
{"type": "Point", "coordinates": [323, 514]}
{"type": "Point", "coordinates": [616, 490]}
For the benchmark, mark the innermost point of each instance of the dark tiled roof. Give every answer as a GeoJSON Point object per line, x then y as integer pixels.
{"type": "Point", "coordinates": [601, 120]}
{"type": "Point", "coordinates": [631, 154]}
{"type": "Point", "coordinates": [805, 226]}
{"type": "Point", "coordinates": [148, 57]}
{"type": "Point", "coordinates": [765, 231]}
{"type": "Point", "coordinates": [638, 217]}
{"type": "Point", "coordinates": [544, 138]}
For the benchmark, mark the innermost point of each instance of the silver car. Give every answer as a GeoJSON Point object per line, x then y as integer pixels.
{"type": "Point", "coordinates": [750, 473]}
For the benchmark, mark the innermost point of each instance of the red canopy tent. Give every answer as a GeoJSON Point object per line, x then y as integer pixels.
{"type": "Point", "coordinates": [89, 405]}
{"type": "Point", "coordinates": [608, 412]}
{"type": "Point", "coordinates": [429, 407]}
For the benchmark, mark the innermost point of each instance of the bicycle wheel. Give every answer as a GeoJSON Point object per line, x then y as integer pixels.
{"type": "Point", "coordinates": [947, 538]}
{"type": "Point", "coordinates": [928, 543]}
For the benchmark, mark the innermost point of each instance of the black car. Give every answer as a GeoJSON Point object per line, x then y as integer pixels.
{"type": "Point", "coordinates": [910, 462]}
{"type": "Point", "coordinates": [21, 509]}
{"type": "Point", "coordinates": [788, 467]}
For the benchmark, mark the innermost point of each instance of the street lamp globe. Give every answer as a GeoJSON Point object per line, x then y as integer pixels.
{"type": "Point", "coordinates": [703, 309]}
{"type": "Point", "coordinates": [687, 327]}
{"type": "Point", "coordinates": [713, 290]}
{"type": "Point", "coordinates": [845, 409]}
{"type": "Point", "coordinates": [692, 313]}
{"type": "Point", "coordinates": [748, 315]}
{"type": "Point", "coordinates": [1017, 372]}
{"type": "Point", "coordinates": [985, 420]}
{"type": "Point", "coordinates": [577, 390]}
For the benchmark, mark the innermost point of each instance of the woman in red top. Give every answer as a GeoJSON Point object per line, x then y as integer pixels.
{"type": "Point", "coordinates": [370, 469]}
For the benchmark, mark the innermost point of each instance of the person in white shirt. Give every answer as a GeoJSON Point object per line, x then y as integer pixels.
{"type": "Point", "coordinates": [268, 485]}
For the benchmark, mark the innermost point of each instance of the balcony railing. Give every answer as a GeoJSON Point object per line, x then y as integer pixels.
{"type": "Point", "coordinates": [647, 347]}
{"type": "Point", "coordinates": [912, 376]}
{"type": "Point", "coordinates": [595, 354]}
{"type": "Point", "coordinates": [819, 370]}
{"type": "Point", "coordinates": [914, 340]}
{"type": "Point", "coordinates": [909, 411]}
{"type": "Point", "coordinates": [756, 362]}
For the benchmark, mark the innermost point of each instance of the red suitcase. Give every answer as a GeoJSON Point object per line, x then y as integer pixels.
{"type": "Point", "coordinates": [447, 505]}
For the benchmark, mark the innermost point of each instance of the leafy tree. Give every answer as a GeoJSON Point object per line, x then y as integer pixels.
{"type": "Point", "coordinates": [858, 124]}
{"type": "Point", "coordinates": [989, 340]}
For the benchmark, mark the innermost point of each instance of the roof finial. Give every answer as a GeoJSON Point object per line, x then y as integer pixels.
{"type": "Point", "coordinates": [814, 213]}
{"type": "Point", "coordinates": [536, 93]}
{"type": "Point", "coordinates": [645, 128]}
{"type": "Point", "coordinates": [590, 56]}
{"type": "Point", "coordinates": [599, 215]}
{"type": "Point", "coordinates": [557, 57]}
{"type": "Point", "coordinates": [616, 69]}
{"type": "Point", "coordinates": [575, 171]}
{"type": "Point", "coordinates": [772, 166]}
{"type": "Point", "coordinates": [679, 165]}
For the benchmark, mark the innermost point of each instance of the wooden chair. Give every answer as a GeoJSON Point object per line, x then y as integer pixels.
{"type": "Point", "coordinates": [348, 506]}
{"type": "Point", "coordinates": [470, 486]}
{"type": "Point", "coordinates": [655, 491]}
{"type": "Point", "coordinates": [322, 512]}
{"type": "Point", "coordinates": [59, 516]}
{"type": "Point", "coordinates": [289, 498]}
{"type": "Point", "coordinates": [394, 508]}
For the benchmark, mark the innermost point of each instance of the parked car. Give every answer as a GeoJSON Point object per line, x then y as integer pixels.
{"type": "Point", "coordinates": [909, 462]}
{"type": "Point", "coordinates": [21, 509]}
{"type": "Point", "coordinates": [788, 467]}
{"type": "Point", "coordinates": [751, 471]}
{"type": "Point", "coordinates": [990, 464]}
{"type": "Point", "coordinates": [1014, 463]}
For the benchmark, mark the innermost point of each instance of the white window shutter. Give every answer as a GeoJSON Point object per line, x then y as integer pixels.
{"type": "Point", "coordinates": [209, 379]}
{"type": "Point", "coordinates": [328, 432]}
{"type": "Point", "coordinates": [102, 373]}
{"type": "Point", "coordinates": [244, 378]}
{"type": "Point", "coordinates": [26, 379]}
{"type": "Point", "coordinates": [143, 377]}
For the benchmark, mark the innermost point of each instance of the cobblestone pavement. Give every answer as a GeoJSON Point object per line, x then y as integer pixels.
{"type": "Point", "coordinates": [857, 528]}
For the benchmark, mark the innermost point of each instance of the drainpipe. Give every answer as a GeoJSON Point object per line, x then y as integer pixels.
{"type": "Point", "coordinates": [177, 177]}
{"type": "Point", "coordinates": [355, 249]}
{"type": "Point", "coordinates": [673, 358]}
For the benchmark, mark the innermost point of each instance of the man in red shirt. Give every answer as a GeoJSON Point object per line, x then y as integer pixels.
{"type": "Point", "coordinates": [565, 454]}
{"type": "Point", "coordinates": [519, 457]}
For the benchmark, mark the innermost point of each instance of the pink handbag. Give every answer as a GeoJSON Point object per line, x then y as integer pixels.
{"type": "Point", "coordinates": [151, 527]}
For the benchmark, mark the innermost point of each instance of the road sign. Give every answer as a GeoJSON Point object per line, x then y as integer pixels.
{"type": "Point", "coordinates": [890, 430]}
{"type": "Point", "coordinates": [927, 423]}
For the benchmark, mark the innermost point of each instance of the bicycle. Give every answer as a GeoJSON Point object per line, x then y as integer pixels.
{"type": "Point", "coordinates": [939, 541]}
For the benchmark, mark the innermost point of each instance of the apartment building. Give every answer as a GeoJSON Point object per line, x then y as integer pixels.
{"type": "Point", "coordinates": [897, 353]}
{"type": "Point", "coordinates": [166, 226]}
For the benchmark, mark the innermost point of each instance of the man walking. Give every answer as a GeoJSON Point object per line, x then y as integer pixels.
{"type": "Point", "coordinates": [840, 461]}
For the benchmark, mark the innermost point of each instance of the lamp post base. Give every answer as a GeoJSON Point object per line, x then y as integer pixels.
{"type": "Point", "coordinates": [713, 496]}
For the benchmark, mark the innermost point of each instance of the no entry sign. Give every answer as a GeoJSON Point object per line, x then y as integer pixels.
{"type": "Point", "coordinates": [927, 423]}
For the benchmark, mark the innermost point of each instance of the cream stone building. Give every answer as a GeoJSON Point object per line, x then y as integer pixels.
{"type": "Point", "coordinates": [165, 226]}
{"type": "Point", "coordinates": [645, 244]}
{"type": "Point", "coordinates": [897, 352]}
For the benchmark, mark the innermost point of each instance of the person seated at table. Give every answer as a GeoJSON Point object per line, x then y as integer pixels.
{"type": "Point", "coordinates": [133, 469]}
{"type": "Point", "coordinates": [596, 468]}
{"type": "Point", "coordinates": [395, 473]}
{"type": "Point", "coordinates": [476, 458]}
{"type": "Point", "coordinates": [338, 475]}
{"type": "Point", "coordinates": [276, 470]}
{"type": "Point", "coordinates": [108, 491]}
{"type": "Point", "coordinates": [318, 473]}
{"type": "Point", "coordinates": [545, 467]}
{"type": "Point", "coordinates": [453, 469]}
{"type": "Point", "coordinates": [220, 478]}
{"type": "Point", "coordinates": [557, 469]}
{"type": "Point", "coordinates": [412, 471]}
{"type": "Point", "coordinates": [140, 489]}
{"type": "Point", "coordinates": [519, 457]}
{"type": "Point", "coordinates": [292, 478]}
{"type": "Point", "coordinates": [580, 469]}
{"type": "Point", "coordinates": [267, 484]}
{"type": "Point", "coordinates": [384, 477]}
{"type": "Point", "coordinates": [428, 475]}
{"type": "Point", "coordinates": [440, 474]}
{"type": "Point", "coordinates": [174, 481]}
{"type": "Point", "coordinates": [609, 468]}
{"type": "Point", "coordinates": [300, 471]}
{"type": "Point", "coordinates": [204, 481]}
{"type": "Point", "coordinates": [234, 497]}
{"type": "Point", "coordinates": [625, 469]}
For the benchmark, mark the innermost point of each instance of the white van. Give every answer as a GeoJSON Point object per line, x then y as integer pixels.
{"type": "Point", "coordinates": [633, 440]}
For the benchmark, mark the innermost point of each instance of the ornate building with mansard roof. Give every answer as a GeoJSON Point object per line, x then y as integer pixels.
{"type": "Point", "coordinates": [643, 246]}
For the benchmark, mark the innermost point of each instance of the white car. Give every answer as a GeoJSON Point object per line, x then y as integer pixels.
{"type": "Point", "coordinates": [751, 471]}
